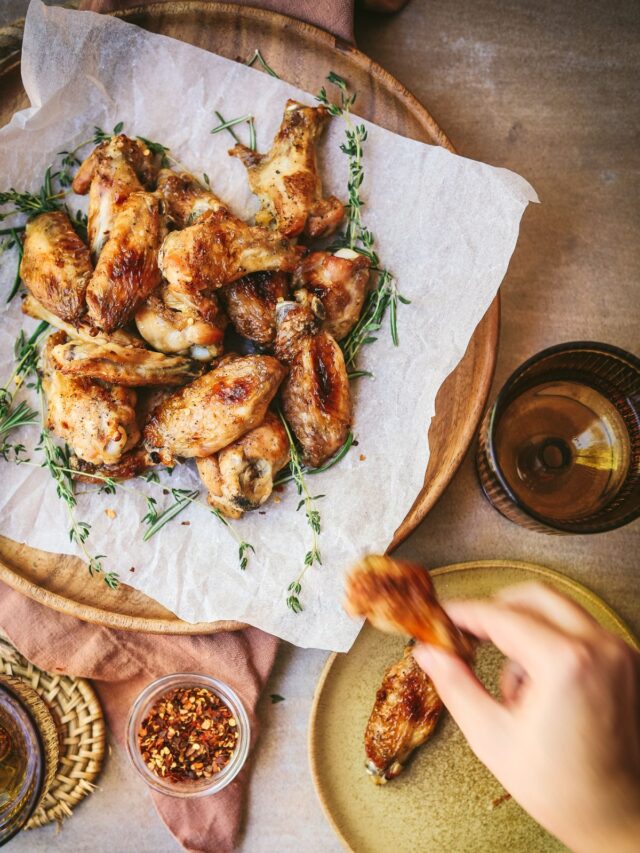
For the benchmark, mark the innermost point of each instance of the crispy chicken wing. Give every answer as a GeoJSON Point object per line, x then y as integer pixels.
{"type": "Point", "coordinates": [127, 271]}
{"type": "Point", "coordinates": [398, 597]}
{"type": "Point", "coordinates": [216, 409]}
{"type": "Point", "coordinates": [56, 266]}
{"type": "Point", "coordinates": [131, 464]}
{"type": "Point", "coordinates": [82, 330]}
{"type": "Point", "coordinates": [128, 366]}
{"type": "Point", "coordinates": [251, 304]}
{"type": "Point", "coordinates": [98, 421]}
{"type": "Point", "coordinates": [116, 168]}
{"type": "Point", "coordinates": [340, 282]}
{"type": "Point", "coordinates": [240, 476]}
{"type": "Point", "coordinates": [316, 398]}
{"type": "Point", "coordinates": [173, 323]}
{"type": "Point", "coordinates": [405, 714]}
{"type": "Point", "coordinates": [185, 197]}
{"type": "Point", "coordinates": [220, 248]}
{"type": "Point", "coordinates": [287, 181]}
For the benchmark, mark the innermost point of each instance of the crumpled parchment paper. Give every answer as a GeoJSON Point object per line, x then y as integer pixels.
{"type": "Point", "coordinates": [445, 225]}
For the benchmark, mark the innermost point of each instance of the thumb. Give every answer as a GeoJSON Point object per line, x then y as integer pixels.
{"type": "Point", "coordinates": [480, 717]}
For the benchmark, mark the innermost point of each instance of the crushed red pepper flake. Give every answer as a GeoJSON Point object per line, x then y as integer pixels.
{"type": "Point", "coordinates": [189, 734]}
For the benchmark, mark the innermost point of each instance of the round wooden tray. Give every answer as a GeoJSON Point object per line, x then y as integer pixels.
{"type": "Point", "coordinates": [302, 55]}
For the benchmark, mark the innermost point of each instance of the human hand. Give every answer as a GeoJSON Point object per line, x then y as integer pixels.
{"type": "Point", "coordinates": [565, 740]}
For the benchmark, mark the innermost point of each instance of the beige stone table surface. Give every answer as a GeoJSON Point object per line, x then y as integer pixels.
{"type": "Point", "coordinates": [550, 90]}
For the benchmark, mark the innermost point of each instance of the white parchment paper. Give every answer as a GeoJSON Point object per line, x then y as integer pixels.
{"type": "Point", "coordinates": [446, 226]}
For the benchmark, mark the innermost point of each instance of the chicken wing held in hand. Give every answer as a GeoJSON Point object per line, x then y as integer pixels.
{"type": "Point", "coordinates": [127, 271]}
{"type": "Point", "coordinates": [116, 168]}
{"type": "Point", "coordinates": [404, 716]}
{"type": "Point", "coordinates": [251, 304]}
{"type": "Point", "coordinates": [340, 282]}
{"type": "Point", "coordinates": [216, 409]}
{"type": "Point", "coordinates": [127, 366]}
{"type": "Point", "coordinates": [98, 421]}
{"type": "Point", "coordinates": [287, 181]}
{"type": "Point", "coordinates": [220, 248]}
{"type": "Point", "coordinates": [240, 476]}
{"type": "Point", "coordinates": [398, 597]}
{"type": "Point", "coordinates": [56, 266]}
{"type": "Point", "coordinates": [185, 197]}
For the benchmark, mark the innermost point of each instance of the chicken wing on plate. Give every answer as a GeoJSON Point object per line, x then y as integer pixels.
{"type": "Point", "coordinates": [128, 366]}
{"type": "Point", "coordinates": [127, 271]}
{"type": "Point", "coordinates": [131, 464]}
{"type": "Point", "coordinates": [240, 476]}
{"type": "Point", "coordinates": [340, 282]}
{"type": "Point", "coordinates": [251, 304]}
{"type": "Point", "coordinates": [216, 409]}
{"type": "Point", "coordinates": [287, 181]}
{"type": "Point", "coordinates": [405, 714]}
{"type": "Point", "coordinates": [82, 330]}
{"type": "Point", "coordinates": [98, 421]}
{"type": "Point", "coordinates": [56, 266]}
{"type": "Point", "coordinates": [316, 399]}
{"type": "Point", "coordinates": [398, 597]}
{"type": "Point", "coordinates": [219, 249]}
{"type": "Point", "coordinates": [185, 197]}
{"type": "Point", "coordinates": [116, 168]}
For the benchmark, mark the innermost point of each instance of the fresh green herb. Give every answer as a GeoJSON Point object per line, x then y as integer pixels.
{"type": "Point", "coordinates": [45, 200]}
{"type": "Point", "coordinates": [287, 476]}
{"type": "Point", "coordinates": [17, 242]}
{"type": "Point", "coordinates": [205, 178]}
{"type": "Point", "coordinates": [155, 521]}
{"type": "Point", "coordinates": [243, 547]}
{"type": "Point", "coordinates": [229, 125]}
{"type": "Point", "coordinates": [312, 515]}
{"type": "Point", "coordinates": [258, 57]}
{"type": "Point", "coordinates": [159, 150]}
{"type": "Point", "coordinates": [275, 698]}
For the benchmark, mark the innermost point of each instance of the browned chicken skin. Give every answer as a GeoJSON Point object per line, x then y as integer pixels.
{"type": "Point", "coordinates": [216, 409]}
{"type": "Point", "coordinates": [185, 197]}
{"type": "Point", "coordinates": [287, 181]}
{"type": "Point", "coordinates": [220, 248]}
{"type": "Point", "coordinates": [131, 464]}
{"type": "Point", "coordinates": [128, 366]}
{"type": "Point", "coordinates": [116, 168]}
{"type": "Point", "coordinates": [251, 304]}
{"type": "Point", "coordinates": [405, 714]}
{"type": "Point", "coordinates": [340, 282]}
{"type": "Point", "coordinates": [127, 271]}
{"type": "Point", "coordinates": [316, 399]}
{"type": "Point", "coordinates": [240, 476]}
{"type": "Point", "coordinates": [398, 597]}
{"type": "Point", "coordinates": [98, 421]}
{"type": "Point", "coordinates": [56, 266]}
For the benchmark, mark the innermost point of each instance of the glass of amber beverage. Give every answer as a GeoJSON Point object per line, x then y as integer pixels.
{"type": "Point", "coordinates": [559, 451]}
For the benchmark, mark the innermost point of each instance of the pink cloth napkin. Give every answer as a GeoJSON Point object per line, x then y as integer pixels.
{"type": "Point", "coordinates": [121, 664]}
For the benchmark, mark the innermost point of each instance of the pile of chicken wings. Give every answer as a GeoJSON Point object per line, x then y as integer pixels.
{"type": "Point", "coordinates": [180, 326]}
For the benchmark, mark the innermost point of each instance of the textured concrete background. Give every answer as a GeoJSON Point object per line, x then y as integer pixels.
{"type": "Point", "coordinates": [550, 90]}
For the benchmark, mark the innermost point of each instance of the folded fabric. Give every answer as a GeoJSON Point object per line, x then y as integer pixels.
{"type": "Point", "coordinates": [122, 663]}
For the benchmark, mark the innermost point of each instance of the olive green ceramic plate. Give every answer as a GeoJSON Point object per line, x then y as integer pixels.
{"type": "Point", "coordinates": [445, 800]}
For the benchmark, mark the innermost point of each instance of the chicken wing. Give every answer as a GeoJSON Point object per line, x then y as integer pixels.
{"type": "Point", "coordinates": [131, 464]}
{"type": "Point", "coordinates": [116, 168]}
{"type": "Point", "coordinates": [405, 714]}
{"type": "Point", "coordinates": [398, 597]}
{"type": "Point", "coordinates": [127, 271]}
{"type": "Point", "coordinates": [56, 266]}
{"type": "Point", "coordinates": [287, 181]}
{"type": "Point", "coordinates": [185, 197]}
{"type": "Point", "coordinates": [216, 409]}
{"type": "Point", "coordinates": [240, 476]}
{"type": "Point", "coordinates": [251, 304]}
{"type": "Point", "coordinates": [316, 399]}
{"type": "Point", "coordinates": [82, 330]}
{"type": "Point", "coordinates": [128, 366]}
{"type": "Point", "coordinates": [340, 282]}
{"type": "Point", "coordinates": [175, 325]}
{"type": "Point", "coordinates": [219, 249]}
{"type": "Point", "coordinates": [98, 421]}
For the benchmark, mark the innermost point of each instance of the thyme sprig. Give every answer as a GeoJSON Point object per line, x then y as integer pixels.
{"type": "Point", "coordinates": [286, 475]}
{"type": "Point", "coordinates": [307, 500]}
{"type": "Point", "coordinates": [46, 200]}
{"type": "Point", "coordinates": [384, 297]}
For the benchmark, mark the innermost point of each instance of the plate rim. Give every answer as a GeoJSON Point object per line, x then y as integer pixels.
{"type": "Point", "coordinates": [452, 568]}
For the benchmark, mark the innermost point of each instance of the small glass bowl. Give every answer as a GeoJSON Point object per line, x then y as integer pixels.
{"type": "Point", "coordinates": [190, 788]}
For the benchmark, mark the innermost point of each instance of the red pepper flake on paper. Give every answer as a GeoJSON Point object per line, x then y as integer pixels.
{"type": "Point", "coordinates": [189, 734]}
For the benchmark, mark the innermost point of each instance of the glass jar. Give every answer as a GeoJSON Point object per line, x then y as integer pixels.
{"type": "Point", "coordinates": [188, 788]}
{"type": "Point", "coordinates": [28, 754]}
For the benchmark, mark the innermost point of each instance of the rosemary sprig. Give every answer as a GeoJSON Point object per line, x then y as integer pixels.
{"type": "Point", "coordinates": [307, 500]}
{"type": "Point", "coordinates": [45, 200]}
{"type": "Point", "coordinates": [258, 57]}
{"type": "Point", "coordinates": [286, 476]}
{"type": "Point", "coordinates": [229, 125]}
{"type": "Point", "coordinates": [156, 521]}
